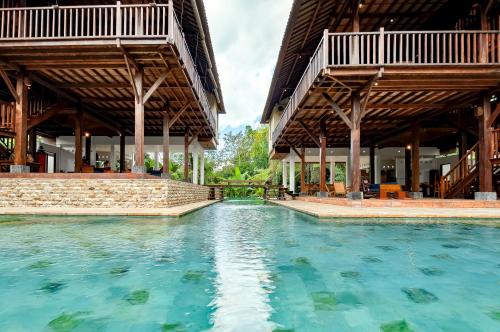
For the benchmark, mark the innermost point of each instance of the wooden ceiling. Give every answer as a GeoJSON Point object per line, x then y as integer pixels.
{"type": "Point", "coordinates": [309, 18]}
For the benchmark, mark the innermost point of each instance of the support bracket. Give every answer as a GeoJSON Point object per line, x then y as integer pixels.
{"type": "Point", "coordinates": [338, 110]}
{"type": "Point", "coordinates": [9, 84]}
{"type": "Point", "coordinates": [308, 132]}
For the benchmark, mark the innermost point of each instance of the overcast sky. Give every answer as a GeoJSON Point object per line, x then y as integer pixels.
{"type": "Point", "coordinates": [246, 36]}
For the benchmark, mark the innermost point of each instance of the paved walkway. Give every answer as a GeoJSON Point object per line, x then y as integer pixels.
{"type": "Point", "coordinates": [328, 211]}
{"type": "Point", "coordinates": [176, 211]}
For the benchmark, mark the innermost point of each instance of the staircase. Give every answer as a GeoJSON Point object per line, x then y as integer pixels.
{"type": "Point", "coordinates": [463, 178]}
{"type": "Point", "coordinates": [7, 119]}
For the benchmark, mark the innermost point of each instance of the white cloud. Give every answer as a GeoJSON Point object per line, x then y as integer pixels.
{"type": "Point", "coordinates": [246, 36]}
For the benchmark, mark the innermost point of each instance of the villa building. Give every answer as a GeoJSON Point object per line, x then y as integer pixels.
{"type": "Point", "coordinates": [402, 92]}
{"type": "Point", "coordinates": [106, 82]}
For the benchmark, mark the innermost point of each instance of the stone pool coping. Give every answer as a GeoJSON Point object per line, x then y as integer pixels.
{"type": "Point", "coordinates": [338, 213]}
{"type": "Point", "coordinates": [176, 211]}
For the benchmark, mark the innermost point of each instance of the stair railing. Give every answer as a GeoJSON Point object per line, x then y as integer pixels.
{"type": "Point", "coordinates": [7, 116]}
{"type": "Point", "coordinates": [465, 166]}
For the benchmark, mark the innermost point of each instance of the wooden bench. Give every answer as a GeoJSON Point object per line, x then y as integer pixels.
{"type": "Point", "coordinates": [387, 189]}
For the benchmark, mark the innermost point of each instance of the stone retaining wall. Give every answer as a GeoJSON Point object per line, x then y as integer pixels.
{"type": "Point", "coordinates": [99, 193]}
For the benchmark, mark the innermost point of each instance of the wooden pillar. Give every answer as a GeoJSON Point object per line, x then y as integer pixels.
{"type": "Point", "coordinates": [408, 167]}
{"type": "Point", "coordinates": [32, 143]}
{"type": "Point", "coordinates": [21, 116]}
{"type": "Point", "coordinates": [415, 159]}
{"type": "Point", "coordinates": [483, 38]}
{"type": "Point", "coordinates": [355, 28]}
{"type": "Point", "coordinates": [355, 165]}
{"type": "Point", "coordinates": [122, 153]}
{"type": "Point", "coordinates": [302, 170]}
{"type": "Point", "coordinates": [166, 145]}
{"type": "Point", "coordinates": [372, 164]}
{"type": "Point", "coordinates": [88, 148]}
{"type": "Point", "coordinates": [78, 143]}
{"type": "Point", "coordinates": [485, 148]}
{"type": "Point", "coordinates": [139, 123]}
{"type": "Point", "coordinates": [462, 144]}
{"type": "Point", "coordinates": [186, 155]}
{"type": "Point", "coordinates": [322, 160]}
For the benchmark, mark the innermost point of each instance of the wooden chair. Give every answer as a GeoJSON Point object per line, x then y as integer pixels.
{"type": "Point", "coordinates": [339, 189]}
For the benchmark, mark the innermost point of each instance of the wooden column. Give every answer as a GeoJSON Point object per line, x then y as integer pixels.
{"type": "Point", "coordinates": [88, 148]}
{"type": "Point", "coordinates": [415, 159]}
{"type": "Point", "coordinates": [372, 164]}
{"type": "Point", "coordinates": [355, 170]}
{"type": "Point", "coordinates": [322, 160]}
{"type": "Point", "coordinates": [186, 155]}
{"type": "Point", "coordinates": [483, 39]}
{"type": "Point", "coordinates": [78, 143]}
{"type": "Point", "coordinates": [139, 123]}
{"type": "Point", "coordinates": [302, 169]}
{"type": "Point", "coordinates": [166, 145]}
{"type": "Point", "coordinates": [485, 148]}
{"type": "Point", "coordinates": [408, 167]}
{"type": "Point", "coordinates": [462, 144]}
{"type": "Point", "coordinates": [355, 28]}
{"type": "Point", "coordinates": [122, 153]}
{"type": "Point", "coordinates": [32, 143]}
{"type": "Point", "coordinates": [21, 125]}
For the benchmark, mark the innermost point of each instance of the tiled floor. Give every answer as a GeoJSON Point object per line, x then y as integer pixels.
{"type": "Point", "coordinates": [177, 211]}
{"type": "Point", "coordinates": [331, 211]}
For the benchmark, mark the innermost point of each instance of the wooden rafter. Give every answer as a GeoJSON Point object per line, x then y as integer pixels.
{"type": "Point", "coordinates": [309, 133]}
{"type": "Point", "coordinates": [294, 148]}
{"type": "Point", "coordinates": [178, 115]}
{"type": "Point", "coordinates": [9, 84]}
{"type": "Point", "coordinates": [338, 110]}
{"type": "Point", "coordinates": [156, 85]}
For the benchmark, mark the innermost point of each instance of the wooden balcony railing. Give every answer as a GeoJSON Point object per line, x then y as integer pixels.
{"type": "Point", "coordinates": [465, 166]}
{"type": "Point", "coordinates": [7, 116]}
{"type": "Point", "coordinates": [104, 22]}
{"type": "Point", "coordinates": [73, 22]}
{"type": "Point", "coordinates": [393, 48]}
{"type": "Point", "coordinates": [413, 48]}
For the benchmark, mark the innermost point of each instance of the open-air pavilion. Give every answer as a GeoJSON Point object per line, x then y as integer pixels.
{"type": "Point", "coordinates": [356, 80]}
{"type": "Point", "coordinates": [111, 79]}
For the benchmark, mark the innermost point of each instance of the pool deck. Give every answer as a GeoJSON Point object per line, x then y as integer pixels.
{"type": "Point", "coordinates": [176, 211]}
{"type": "Point", "coordinates": [357, 211]}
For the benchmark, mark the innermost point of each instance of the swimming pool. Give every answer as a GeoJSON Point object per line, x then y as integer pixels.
{"type": "Point", "coordinates": [245, 266]}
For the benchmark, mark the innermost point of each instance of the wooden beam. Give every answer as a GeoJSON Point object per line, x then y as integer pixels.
{"type": "Point", "coordinates": [195, 135]}
{"type": "Point", "coordinates": [48, 114]}
{"type": "Point", "coordinates": [156, 85]}
{"type": "Point", "coordinates": [415, 159]}
{"type": "Point", "coordinates": [166, 144]}
{"type": "Point", "coordinates": [338, 110]}
{"type": "Point", "coordinates": [9, 84]}
{"type": "Point", "coordinates": [461, 127]}
{"type": "Point", "coordinates": [122, 153]}
{"type": "Point", "coordinates": [322, 165]}
{"type": "Point", "coordinates": [369, 86]}
{"type": "Point", "coordinates": [139, 120]}
{"type": "Point", "coordinates": [309, 133]}
{"type": "Point", "coordinates": [293, 147]}
{"type": "Point", "coordinates": [78, 143]}
{"type": "Point", "coordinates": [131, 76]}
{"type": "Point", "coordinates": [494, 116]}
{"type": "Point", "coordinates": [21, 118]}
{"type": "Point", "coordinates": [355, 164]}
{"type": "Point", "coordinates": [485, 148]}
{"type": "Point", "coordinates": [178, 115]}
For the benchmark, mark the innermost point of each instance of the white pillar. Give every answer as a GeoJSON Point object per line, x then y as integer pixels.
{"type": "Point", "coordinates": [285, 179]}
{"type": "Point", "coordinates": [292, 173]}
{"type": "Point", "coordinates": [112, 157]}
{"type": "Point", "coordinates": [332, 169]}
{"type": "Point", "coordinates": [157, 161]}
{"type": "Point", "coordinates": [202, 167]}
{"type": "Point", "coordinates": [195, 167]}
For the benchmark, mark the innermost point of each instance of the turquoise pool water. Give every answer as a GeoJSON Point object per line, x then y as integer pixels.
{"type": "Point", "coordinates": [245, 267]}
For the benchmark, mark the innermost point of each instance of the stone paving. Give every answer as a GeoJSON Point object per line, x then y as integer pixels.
{"type": "Point", "coordinates": [331, 211]}
{"type": "Point", "coordinates": [176, 211]}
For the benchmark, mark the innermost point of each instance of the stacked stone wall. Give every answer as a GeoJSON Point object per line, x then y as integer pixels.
{"type": "Point", "coordinates": [98, 193]}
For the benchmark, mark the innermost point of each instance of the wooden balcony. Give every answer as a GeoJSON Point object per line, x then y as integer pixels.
{"type": "Point", "coordinates": [359, 56]}
{"type": "Point", "coordinates": [84, 33]}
